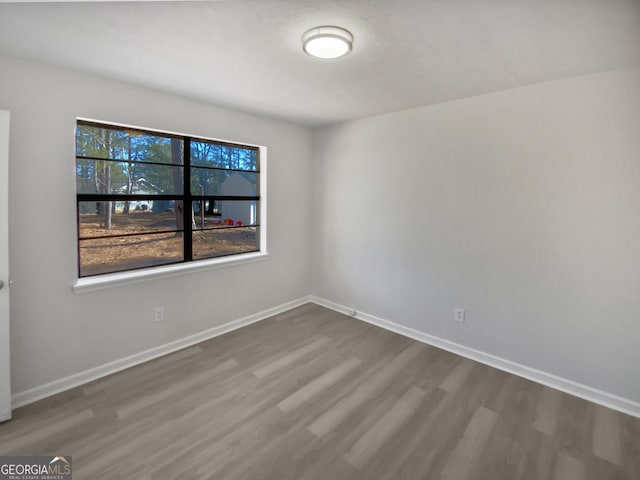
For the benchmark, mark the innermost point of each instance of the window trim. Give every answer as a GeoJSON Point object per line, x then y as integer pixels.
{"type": "Point", "coordinates": [138, 275]}
{"type": "Point", "coordinates": [130, 277]}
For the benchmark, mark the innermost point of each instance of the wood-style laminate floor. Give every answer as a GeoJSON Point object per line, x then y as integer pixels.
{"type": "Point", "coordinates": [315, 395]}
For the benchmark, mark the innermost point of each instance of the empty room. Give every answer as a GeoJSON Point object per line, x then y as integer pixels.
{"type": "Point", "coordinates": [320, 239]}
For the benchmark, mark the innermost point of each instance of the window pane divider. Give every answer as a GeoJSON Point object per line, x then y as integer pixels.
{"type": "Point", "coordinates": [124, 160]}
{"type": "Point", "coordinates": [222, 169]}
{"type": "Point", "coordinates": [137, 234]}
{"type": "Point", "coordinates": [186, 204]}
{"type": "Point", "coordinates": [124, 197]}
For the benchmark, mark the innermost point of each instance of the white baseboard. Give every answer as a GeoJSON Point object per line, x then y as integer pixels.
{"type": "Point", "coordinates": [594, 395]}
{"type": "Point", "coordinates": [37, 393]}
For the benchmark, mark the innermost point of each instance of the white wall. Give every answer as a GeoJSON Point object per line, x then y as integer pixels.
{"type": "Point", "coordinates": [521, 206]}
{"type": "Point", "coordinates": [54, 332]}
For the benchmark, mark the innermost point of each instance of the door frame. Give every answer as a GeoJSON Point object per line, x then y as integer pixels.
{"type": "Point", "coordinates": [5, 356]}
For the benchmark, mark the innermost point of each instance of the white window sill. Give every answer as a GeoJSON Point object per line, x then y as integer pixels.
{"type": "Point", "coordinates": [110, 280]}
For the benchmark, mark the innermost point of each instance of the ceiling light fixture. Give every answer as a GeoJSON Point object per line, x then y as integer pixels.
{"type": "Point", "coordinates": [327, 42]}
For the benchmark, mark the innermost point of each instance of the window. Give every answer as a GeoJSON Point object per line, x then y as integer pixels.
{"type": "Point", "coordinates": [146, 198]}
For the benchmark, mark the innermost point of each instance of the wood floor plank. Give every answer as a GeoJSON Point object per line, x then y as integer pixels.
{"type": "Point", "coordinates": [462, 461]}
{"type": "Point", "coordinates": [290, 358]}
{"type": "Point", "coordinates": [569, 468]}
{"type": "Point", "coordinates": [433, 444]}
{"type": "Point", "coordinates": [374, 439]}
{"type": "Point", "coordinates": [539, 457]}
{"type": "Point", "coordinates": [458, 376]}
{"type": "Point", "coordinates": [573, 431]}
{"type": "Point", "coordinates": [307, 392]}
{"type": "Point", "coordinates": [312, 394]}
{"type": "Point", "coordinates": [18, 443]}
{"type": "Point", "coordinates": [148, 401]}
{"type": "Point", "coordinates": [548, 407]}
{"type": "Point", "coordinates": [415, 447]}
{"type": "Point", "coordinates": [328, 421]}
{"type": "Point", "coordinates": [631, 444]}
{"type": "Point", "coordinates": [607, 435]}
{"type": "Point", "coordinates": [148, 368]}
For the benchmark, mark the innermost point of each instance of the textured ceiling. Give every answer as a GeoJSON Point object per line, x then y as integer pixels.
{"type": "Point", "coordinates": [246, 54]}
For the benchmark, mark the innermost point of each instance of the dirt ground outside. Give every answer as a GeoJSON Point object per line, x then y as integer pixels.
{"type": "Point", "coordinates": [155, 245]}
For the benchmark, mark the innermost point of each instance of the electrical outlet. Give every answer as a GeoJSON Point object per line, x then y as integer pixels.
{"type": "Point", "coordinates": [158, 314]}
{"type": "Point", "coordinates": [459, 315]}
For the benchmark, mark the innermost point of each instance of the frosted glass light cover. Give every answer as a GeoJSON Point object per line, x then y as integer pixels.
{"type": "Point", "coordinates": [327, 42]}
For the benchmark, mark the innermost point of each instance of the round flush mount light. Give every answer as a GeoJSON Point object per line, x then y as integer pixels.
{"type": "Point", "coordinates": [327, 42]}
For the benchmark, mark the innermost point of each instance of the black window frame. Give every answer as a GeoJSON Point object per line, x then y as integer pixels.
{"type": "Point", "coordinates": [187, 197]}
